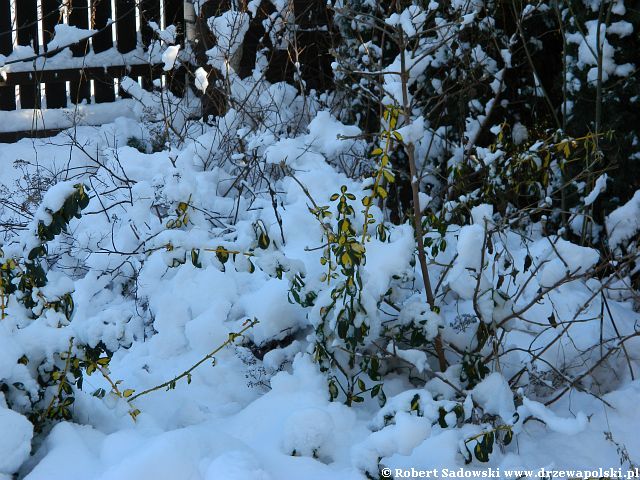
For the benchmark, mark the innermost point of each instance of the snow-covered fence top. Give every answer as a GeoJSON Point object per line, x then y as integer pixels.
{"type": "Point", "coordinates": [59, 53]}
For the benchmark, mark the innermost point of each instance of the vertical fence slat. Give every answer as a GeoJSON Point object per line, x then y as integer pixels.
{"type": "Point", "coordinates": [27, 24]}
{"type": "Point", "coordinates": [126, 25]}
{"type": "Point", "coordinates": [7, 94]}
{"type": "Point", "coordinates": [101, 13]}
{"type": "Point", "coordinates": [126, 35]}
{"type": "Point", "coordinates": [174, 15]}
{"type": "Point", "coordinates": [79, 17]}
{"type": "Point", "coordinates": [56, 92]}
{"type": "Point", "coordinates": [214, 101]}
{"type": "Point", "coordinates": [149, 12]}
{"type": "Point", "coordinates": [314, 19]}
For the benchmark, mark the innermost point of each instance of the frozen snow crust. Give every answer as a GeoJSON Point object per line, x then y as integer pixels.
{"type": "Point", "coordinates": [247, 418]}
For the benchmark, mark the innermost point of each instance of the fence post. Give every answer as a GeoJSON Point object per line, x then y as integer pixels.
{"type": "Point", "coordinates": [27, 24]}
{"type": "Point", "coordinates": [55, 92]}
{"type": "Point", "coordinates": [100, 14]}
{"type": "Point", "coordinates": [7, 94]}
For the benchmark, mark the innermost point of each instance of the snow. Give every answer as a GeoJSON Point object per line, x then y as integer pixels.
{"type": "Point", "coordinates": [66, 60]}
{"type": "Point", "coordinates": [410, 20]}
{"type": "Point", "coordinates": [418, 358]}
{"type": "Point", "coordinates": [219, 425]}
{"type": "Point", "coordinates": [461, 278]}
{"type": "Point", "coordinates": [15, 441]}
{"type": "Point", "coordinates": [495, 396]}
{"type": "Point", "coordinates": [169, 57]}
{"type": "Point", "coordinates": [417, 312]}
{"type": "Point", "coordinates": [400, 438]}
{"type": "Point", "coordinates": [571, 260]}
{"type": "Point", "coordinates": [53, 201]}
{"type": "Point", "coordinates": [229, 30]}
{"type": "Point", "coordinates": [324, 133]}
{"type": "Point", "coordinates": [201, 80]}
{"type": "Point", "coordinates": [60, 118]}
{"type": "Point", "coordinates": [519, 133]}
{"type": "Point", "coordinates": [624, 222]}
{"type": "Point", "coordinates": [424, 200]}
{"type": "Point", "coordinates": [307, 432]}
{"type": "Point", "coordinates": [566, 426]}
{"type": "Point", "coordinates": [599, 187]}
{"type": "Point", "coordinates": [323, 139]}
{"type": "Point", "coordinates": [414, 132]}
{"type": "Point", "coordinates": [482, 213]}
{"type": "Point", "coordinates": [588, 49]}
{"type": "Point", "coordinates": [67, 35]}
{"type": "Point", "coordinates": [167, 35]}
{"type": "Point", "coordinates": [259, 407]}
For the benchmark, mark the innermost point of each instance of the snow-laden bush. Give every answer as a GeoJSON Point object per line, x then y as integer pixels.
{"type": "Point", "coordinates": [185, 255]}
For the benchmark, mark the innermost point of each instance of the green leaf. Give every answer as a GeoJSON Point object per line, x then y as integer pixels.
{"type": "Point", "coordinates": [381, 192]}
{"type": "Point", "coordinates": [375, 390]}
{"type": "Point", "coordinates": [99, 393]}
{"type": "Point", "coordinates": [222, 255]}
{"type": "Point", "coordinates": [343, 329]}
{"type": "Point", "coordinates": [489, 439]}
{"type": "Point", "coordinates": [415, 403]}
{"type": "Point", "coordinates": [333, 390]}
{"type": "Point", "coordinates": [468, 457]}
{"type": "Point", "coordinates": [388, 176]}
{"type": "Point", "coordinates": [442, 413]}
{"type": "Point", "coordinates": [263, 241]}
{"type": "Point", "coordinates": [104, 361]}
{"type": "Point", "coordinates": [481, 452]}
{"type": "Point", "coordinates": [508, 437]}
{"type": "Point", "coordinates": [195, 258]}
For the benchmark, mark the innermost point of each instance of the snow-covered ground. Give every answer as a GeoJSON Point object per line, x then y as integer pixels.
{"type": "Point", "coordinates": [250, 419]}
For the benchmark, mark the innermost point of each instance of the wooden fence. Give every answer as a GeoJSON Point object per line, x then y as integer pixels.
{"type": "Point", "coordinates": [50, 77]}
{"type": "Point", "coordinates": [47, 77]}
